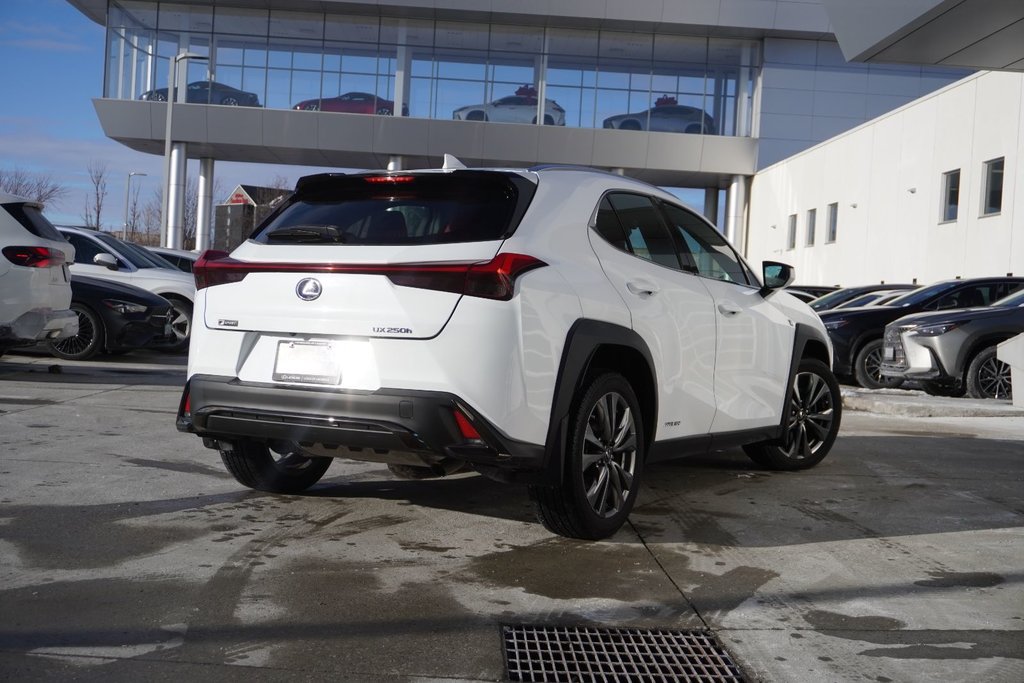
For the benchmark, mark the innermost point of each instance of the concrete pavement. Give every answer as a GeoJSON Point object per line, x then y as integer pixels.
{"type": "Point", "coordinates": [128, 553]}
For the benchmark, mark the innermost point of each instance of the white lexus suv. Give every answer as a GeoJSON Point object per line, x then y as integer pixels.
{"type": "Point", "coordinates": [559, 327]}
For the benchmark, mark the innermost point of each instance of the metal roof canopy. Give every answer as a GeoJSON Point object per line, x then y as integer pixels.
{"type": "Point", "coordinates": [978, 34]}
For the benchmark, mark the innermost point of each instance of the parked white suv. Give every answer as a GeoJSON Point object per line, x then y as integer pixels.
{"type": "Point", "coordinates": [558, 327]}
{"type": "Point", "coordinates": [103, 256]}
{"type": "Point", "coordinates": [35, 290]}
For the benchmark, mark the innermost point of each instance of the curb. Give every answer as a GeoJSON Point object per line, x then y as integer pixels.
{"type": "Point", "coordinates": [900, 403]}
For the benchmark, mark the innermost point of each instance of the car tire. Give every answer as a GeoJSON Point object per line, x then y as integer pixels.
{"type": "Point", "coordinates": [230, 101]}
{"type": "Point", "coordinates": [476, 115]}
{"type": "Point", "coordinates": [693, 129]}
{"type": "Point", "coordinates": [989, 377]}
{"type": "Point", "coordinates": [630, 125]}
{"type": "Point", "coordinates": [815, 409]}
{"type": "Point", "coordinates": [181, 325]}
{"type": "Point", "coordinates": [603, 461]}
{"type": "Point", "coordinates": [281, 469]}
{"type": "Point", "coordinates": [866, 368]}
{"type": "Point", "coordinates": [87, 342]}
{"type": "Point", "coordinates": [955, 390]}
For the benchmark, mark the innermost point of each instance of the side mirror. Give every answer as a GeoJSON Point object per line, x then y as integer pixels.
{"type": "Point", "coordinates": [105, 260]}
{"type": "Point", "coordinates": [776, 275]}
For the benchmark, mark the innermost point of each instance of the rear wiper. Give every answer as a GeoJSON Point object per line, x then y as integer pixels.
{"type": "Point", "coordinates": [307, 234]}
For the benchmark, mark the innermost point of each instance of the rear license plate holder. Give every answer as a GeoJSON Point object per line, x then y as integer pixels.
{"type": "Point", "coordinates": [307, 362]}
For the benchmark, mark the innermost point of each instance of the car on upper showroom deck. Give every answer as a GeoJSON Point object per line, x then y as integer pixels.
{"type": "Point", "coordinates": [518, 108]}
{"type": "Point", "coordinates": [351, 103]}
{"type": "Point", "coordinates": [35, 293]}
{"type": "Point", "coordinates": [556, 327]}
{"type": "Point", "coordinates": [208, 92]}
{"type": "Point", "coordinates": [665, 116]}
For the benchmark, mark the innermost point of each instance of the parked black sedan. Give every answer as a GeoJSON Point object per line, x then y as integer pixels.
{"type": "Point", "coordinates": [954, 352]}
{"type": "Point", "coordinates": [856, 333]}
{"type": "Point", "coordinates": [114, 317]}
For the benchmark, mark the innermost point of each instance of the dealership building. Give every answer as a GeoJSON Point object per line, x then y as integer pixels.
{"type": "Point", "coordinates": [700, 94]}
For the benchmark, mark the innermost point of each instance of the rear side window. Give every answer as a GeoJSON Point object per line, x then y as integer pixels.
{"type": "Point", "coordinates": [645, 232]}
{"type": "Point", "coordinates": [33, 220]}
{"type": "Point", "coordinates": [434, 208]}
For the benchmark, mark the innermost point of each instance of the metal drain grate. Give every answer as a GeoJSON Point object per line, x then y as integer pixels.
{"type": "Point", "coordinates": [557, 654]}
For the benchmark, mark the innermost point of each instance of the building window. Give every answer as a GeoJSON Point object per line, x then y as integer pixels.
{"type": "Point", "coordinates": [811, 216]}
{"type": "Point", "coordinates": [833, 222]}
{"type": "Point", "coordinates": [791, 235]}
{"type": "Point", "coordinates": [950, 195]}
{"type": "Point", "coordinates": [993, 197]}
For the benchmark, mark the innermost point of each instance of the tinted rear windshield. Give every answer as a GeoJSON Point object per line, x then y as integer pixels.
{"type": "Point", "coordinates": [434, 208]}
{"type": "Point", "coordinates": [33, 220]}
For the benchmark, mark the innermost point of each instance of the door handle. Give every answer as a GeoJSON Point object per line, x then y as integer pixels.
{"type": "Point", "coordinates": [642, 287]}
{"type": "Point", "coordinates": [727, 308]}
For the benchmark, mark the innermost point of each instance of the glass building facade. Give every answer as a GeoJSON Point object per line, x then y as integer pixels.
{"type": "Point", "coordinates": [583, 78]}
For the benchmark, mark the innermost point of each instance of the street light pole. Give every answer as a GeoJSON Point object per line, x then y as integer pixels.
{"type": "Point", "coordinates": [174, 159]}
{"type": "Point", "coordinates": [127, 195]}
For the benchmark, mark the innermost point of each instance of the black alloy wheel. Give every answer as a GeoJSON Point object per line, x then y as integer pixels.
{"type": "Point", "coordinates": [230, 101]}
{"type": "Point", "coordinates": [89, 340]}
{"type": "Point", "coordinates": [812, 421]}
{"type": "Point", "coordinates": [989, 377]}
{"type": "Point", "coordinates": [867, 368]}
{"type": "Point", "coordinates": [604, 459]}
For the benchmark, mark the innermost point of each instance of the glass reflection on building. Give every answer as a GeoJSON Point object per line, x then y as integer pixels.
{"type": "Point", "coordinates": [579, 78]}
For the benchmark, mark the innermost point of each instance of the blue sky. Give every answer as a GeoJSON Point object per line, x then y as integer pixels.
{"type": "Point", "coordinates": [53, 68]}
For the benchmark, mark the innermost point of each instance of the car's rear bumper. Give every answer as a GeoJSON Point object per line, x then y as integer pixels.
{"type": "Point", "coordinates": [421, 422]}
{"type": "Point", "coordinates": [39, 324]}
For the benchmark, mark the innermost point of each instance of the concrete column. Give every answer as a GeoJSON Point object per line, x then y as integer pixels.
{"type": "Point", "coordinates": [711, 205]}
{"type": "Point", "coordinates": [736, 213]}
{"type": "Point", "coordinates": [403, 78]}
{"type": "Point", "coordinates": [204, 210]}
{"type": "Point", "coordinates": [395, 162]}
{"type": "Point", "coordinates": [176, 180]}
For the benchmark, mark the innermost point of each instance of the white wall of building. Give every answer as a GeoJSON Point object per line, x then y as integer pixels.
{"type": "Point", "coordinates": [810, 93]}
{"type": "Point", "coordinates": [886, 177]}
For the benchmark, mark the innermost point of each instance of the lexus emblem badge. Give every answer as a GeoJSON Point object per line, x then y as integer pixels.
{"type": "Point", "coordinates": [309, 289]}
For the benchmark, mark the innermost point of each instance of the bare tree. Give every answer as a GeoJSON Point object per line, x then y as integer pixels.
{"type": "Point", "coordinates": [134, 218]}
{"type": "Point", "coordinates": [39, 187]}
{"type": "Point", "coordinates": [92, 216]}
{"type": "Point", "coordinates": [149, 217]}
{"type": "Point", "coordinates": [281, 182]}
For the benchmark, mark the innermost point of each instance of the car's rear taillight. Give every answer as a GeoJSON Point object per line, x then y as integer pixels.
{"type": "Point", "coordinates": [494, 279]}
{"type": "Point", "coordinates": [35, 257]}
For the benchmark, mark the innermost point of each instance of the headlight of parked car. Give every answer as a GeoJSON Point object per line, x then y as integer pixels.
{"type": "Point", "coordinates": [935, 330]}
{"type": "Point", "coordinates": [124, 307]}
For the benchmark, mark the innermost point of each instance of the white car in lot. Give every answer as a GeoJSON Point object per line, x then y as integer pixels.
{"type": "Point", "coordinates": [35, 290]}
{"type": "Point", "coordinates": [103, 256]}
{"type": "Point", "coordinates": [552, 326]}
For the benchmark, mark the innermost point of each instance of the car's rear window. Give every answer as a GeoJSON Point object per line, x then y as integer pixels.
{"type": "Point", "coordinates": [410, 209]}
{"type": "Point", "coordinates": [33, 220]}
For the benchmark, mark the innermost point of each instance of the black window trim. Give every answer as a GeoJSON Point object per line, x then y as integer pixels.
{"type": "Point", "coordinates": [690, 268]}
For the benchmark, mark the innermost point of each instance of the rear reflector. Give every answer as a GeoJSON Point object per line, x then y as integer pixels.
{"type": "Point", "coordinates": [467, 430]}
{"type": "Point", "coordinates": [35, 257]}
{"type": "Point", "coordinates": [494, 279]}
